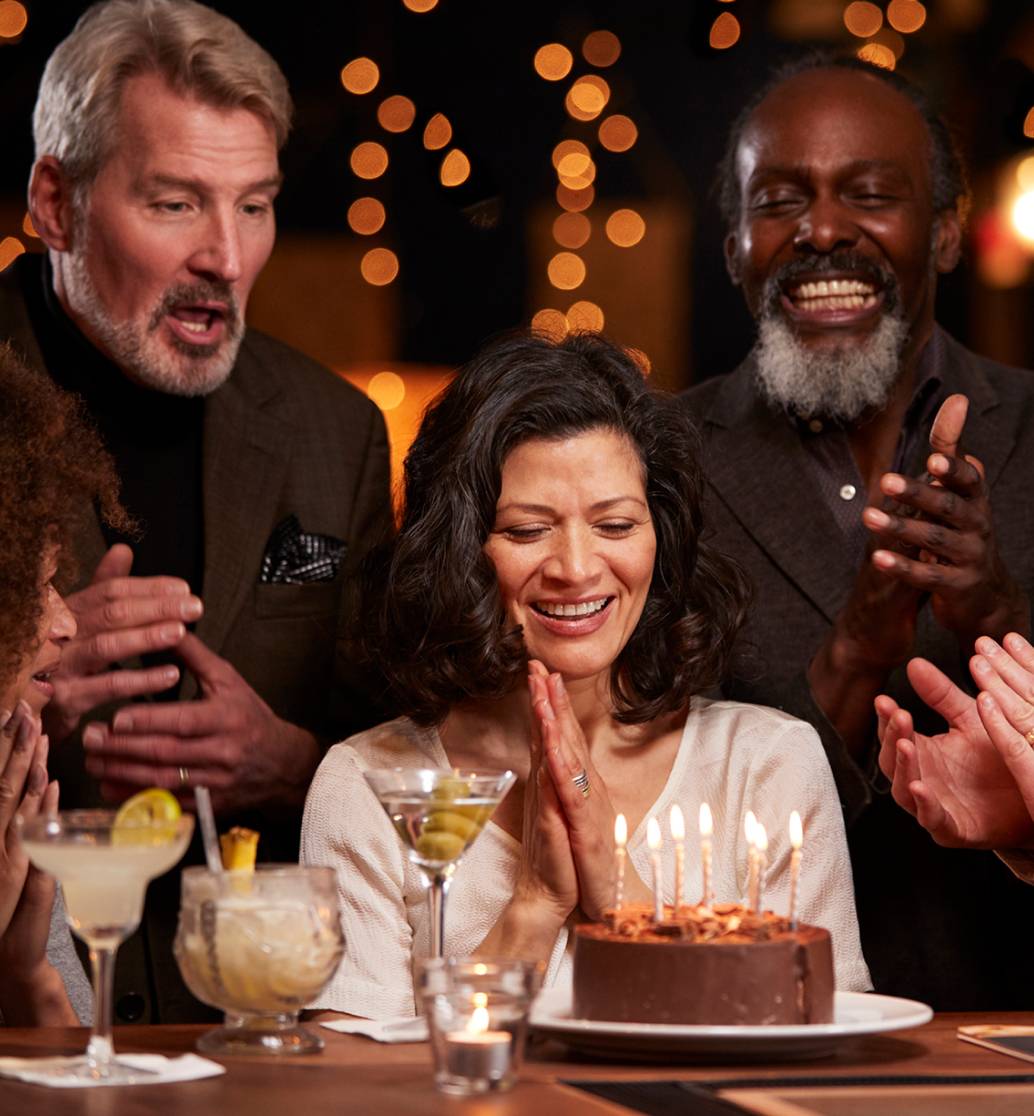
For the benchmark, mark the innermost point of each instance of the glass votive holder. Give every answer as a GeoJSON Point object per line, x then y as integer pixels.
{"type": "Point", "coordinates": [477, 1019]}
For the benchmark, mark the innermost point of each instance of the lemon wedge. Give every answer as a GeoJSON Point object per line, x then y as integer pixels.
{"type": "Point", "coordinates": [238, 849]}
{"type": "Point", "coordinates": [148, 818]}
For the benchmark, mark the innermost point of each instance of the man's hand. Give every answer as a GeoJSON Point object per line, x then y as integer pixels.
{"type": "Point", "coordinates": [955, 784]}
{"type": "Point", "coordinates": [118, 617]}
{"type": "Point", "coordinates": [949, 531]}
{"type": "Point", "coordinates": [229, 741]}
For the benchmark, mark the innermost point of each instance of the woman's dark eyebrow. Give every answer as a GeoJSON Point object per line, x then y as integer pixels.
{"type": "Point", "coordinates": [545, 509]}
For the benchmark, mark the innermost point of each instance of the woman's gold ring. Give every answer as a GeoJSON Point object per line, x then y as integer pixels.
{"type": "Point", "coordinates": [184, 775]}
{"type": "Point", "coordinates": [581, 781]}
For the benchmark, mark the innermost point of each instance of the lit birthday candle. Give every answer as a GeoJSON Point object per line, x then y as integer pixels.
{"type": "Point", "coordinates": [706, 829]}
{"type": "Point", "coordinates": [761, 844]}
{"type": "Point", "coordinates": [678, 835]}
{"type": "Point", "coordinates": [620, 841]}
{"type": "Point", "coordinates": [653, 840]}
{"type": "Point", "coordinates": [750, 824]}
{"type": "Point", "coordinates": [796, 841]}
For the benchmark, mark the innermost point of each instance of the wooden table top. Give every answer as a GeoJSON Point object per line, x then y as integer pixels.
{"type": "Point", "coordinates": [357, 1075]}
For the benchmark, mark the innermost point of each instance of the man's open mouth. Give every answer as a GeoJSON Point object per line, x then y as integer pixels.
{"type": "Point", "coordinates": [198, 323]}
{"type": "Point", "coordinates": [815, 296]}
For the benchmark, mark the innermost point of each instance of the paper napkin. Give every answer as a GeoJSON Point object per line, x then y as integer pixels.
{"type": "Point", "coordinates": [410, 1029]}
{"type": "Point", "coordinates": [155, 1069]}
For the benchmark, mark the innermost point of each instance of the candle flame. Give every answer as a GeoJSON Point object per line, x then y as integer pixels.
{"type": "Point", "coordinates": [760, 837]}
{"type": "Point", "coordinates": [478, 1022]}
{"type": "Point", "coordinates": [750, 824]}
{"type": "Point", "coordinates": [653, 834]}
{"type": "Point", "coordinates": [677, 824]}
{"type": "Point", "coordinates": [706, 821]}
{"type": "Point", "coordinates": [620, 831]}
{"type": "Point", "coordinates": [796, 830]}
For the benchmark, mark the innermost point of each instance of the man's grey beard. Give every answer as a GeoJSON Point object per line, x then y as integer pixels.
{"type": "Point", "coordinates": [176, 368]}
{"type": "Point", "coordinates": [840, 383]}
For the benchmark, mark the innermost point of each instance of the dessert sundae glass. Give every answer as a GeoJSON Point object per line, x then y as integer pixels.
{"type": "Point", "coordinates": [259, 945]}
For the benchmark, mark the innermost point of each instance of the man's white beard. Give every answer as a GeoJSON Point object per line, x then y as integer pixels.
{"type": "Point", "coordinates": [137, 348]}
{"type": "Point", "coordinates": [841, 383]}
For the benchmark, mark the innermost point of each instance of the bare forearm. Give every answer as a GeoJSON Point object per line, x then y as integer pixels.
{"type": "Point", "coordinates": [844, 689]}
{"type": "Point", "coordinates": [524, 929]}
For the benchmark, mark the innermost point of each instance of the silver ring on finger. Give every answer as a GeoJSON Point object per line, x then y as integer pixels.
{"type": "Point", "coordinates": [581, 781]}
{"type": "Point", "coordinates": [184, 776]}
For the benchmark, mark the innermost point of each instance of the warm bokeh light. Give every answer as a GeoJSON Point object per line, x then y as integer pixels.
{"type": "Point", "coordinates": [906, 16]}
{"type": "Point", "coordinates": [566, 271]}
{"type": "Point", "coordinates": [387, 390]}
{"type": "Point", "coordinates": [725, 32]}
{"type": "Point", "coordinates": [640, 359]}
{"type": "Point", "coordinates": [366, 216]}
{"type": "Point", "coordinates": [618, 133]}
{"type": "Point", "coordinates": [1028, 124]}
{"type": "Point", "coordinates": [574, 201]}
{"type": "Point", "coordinates": [455, 168]}
{"type": "Point", "coordinates": [585, 316]}
{"type": "Point", "coordinates": [1002, 258]}
{"type": "Point", "coordinates": [587, 98]}
{"type": "Point", "coordinates": [625, 228]}
{"type": "Point", "coordinates": [360, 75]}
{"type": "Point", "coordinates": [862, 18]}
{"type": "Point", "coordinates": [13, 20]}
{"type": "Point", "coordinates": [437, 132]}
{"type": "Point", "coordinates": [601, 48]}
{"type": "Point", "coordinates": [1025, 172]}
{"type": "Point", "coordinates": [878, 55]}
{"type": "Point", "coordinates": [420, 6]}
{"type": "Point", "coordinates": [553, 61]}
{"type": "Point", "coordinates": [574, 164]}
{"type": "Point", "coordinates": [1023, 216]}
{"type": "Point", "coordinates": [28, 227]}
{"type": "Point", "coordinates": [568, 147]}
{"type": "Point", "coordinates": [368, 160]}
{"type": "Point", "coordinates": [10, 249]}
{"type": "Point", "coordinates": [396, 113]}
{"type": "Point", "coordinates": [552, 323]}
{"type": "Point", "coordinates": [572, 230]}
{"type": "Point", "coordinates": [379, 266]}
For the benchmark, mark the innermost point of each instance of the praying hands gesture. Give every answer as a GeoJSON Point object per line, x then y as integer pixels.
{"type": "Point", "coordinates": [973, 785]}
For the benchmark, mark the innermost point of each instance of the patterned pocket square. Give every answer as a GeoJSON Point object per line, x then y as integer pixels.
{"type": "Point", "coordinates": [295, 557]}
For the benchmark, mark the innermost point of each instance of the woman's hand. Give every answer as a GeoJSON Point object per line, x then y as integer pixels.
{"type": "Point", "coordinates": [23, 781]}
{"type": "Point", "coordinates": [959, 784]}
{"type": "Point", "coordinates": [589, 816]}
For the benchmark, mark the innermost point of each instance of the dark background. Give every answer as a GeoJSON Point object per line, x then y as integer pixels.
{"type": "Point", "coordinates": [465, 250]}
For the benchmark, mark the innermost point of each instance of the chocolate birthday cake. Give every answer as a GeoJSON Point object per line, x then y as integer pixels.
{"type": "Point", "coordinates": [713, 966]}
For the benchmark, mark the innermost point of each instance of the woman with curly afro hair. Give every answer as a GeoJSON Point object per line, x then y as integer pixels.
{"type": "Point", "coordinates": [52, 464]}
{"type": "Point", "coordinates": [551, 605]}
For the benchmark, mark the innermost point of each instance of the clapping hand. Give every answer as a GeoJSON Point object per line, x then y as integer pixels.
{"type": "Point", "coordinates": [945, 544]}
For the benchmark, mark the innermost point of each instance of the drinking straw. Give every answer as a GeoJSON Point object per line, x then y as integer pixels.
{"type": "Point", "coordinates": [207, 818]}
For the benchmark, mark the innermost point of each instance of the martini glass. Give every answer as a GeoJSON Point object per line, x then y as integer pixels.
{"type": "Point", "coordinates": [104, 871]}
{"type": "Point", "coordinates": [438, 813]}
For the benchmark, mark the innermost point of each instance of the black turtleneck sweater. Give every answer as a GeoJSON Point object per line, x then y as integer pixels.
{"type": "Point", "coordinates": [154, 438]}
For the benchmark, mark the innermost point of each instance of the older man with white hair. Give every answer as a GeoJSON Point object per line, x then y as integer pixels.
{"type": "Point", "coordinates": [257, 478]}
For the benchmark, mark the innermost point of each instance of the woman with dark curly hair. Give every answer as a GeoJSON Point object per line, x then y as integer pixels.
{"type": "Point", "coordinates": [549, 606]}
{"type": "Point", "coordinates": [51, 462]}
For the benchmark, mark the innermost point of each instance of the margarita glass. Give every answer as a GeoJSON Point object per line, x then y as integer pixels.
{"type": "Point", "coordinates": [438, 813]}
{"type": "Point", "coordinates": [104, 869]}
{"type": "Point", "coordinates": [259, 945]}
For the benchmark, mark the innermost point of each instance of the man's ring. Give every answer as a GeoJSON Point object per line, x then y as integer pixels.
{"type": "Point", "coordinates": [1029, 734]}
{"type": "Point", "coordinates": [184, 775]}
{"type": "Point", "coordinates": [581, 781]}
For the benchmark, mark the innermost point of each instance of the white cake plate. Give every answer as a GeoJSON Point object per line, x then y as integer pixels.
{"type": "Point", "coordinates": [854, 1014]}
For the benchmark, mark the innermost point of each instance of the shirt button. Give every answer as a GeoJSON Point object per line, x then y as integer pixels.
{"type": "Point", "coordinates": [815, 426]}
{"type": "Point", "coordinates": [848, 492]}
